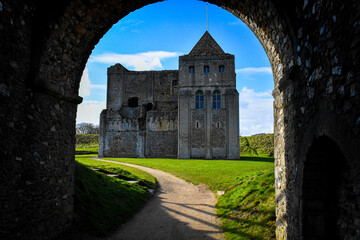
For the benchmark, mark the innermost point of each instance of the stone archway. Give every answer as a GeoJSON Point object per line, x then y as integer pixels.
{"type": "Point", "coordinates": [313, 50]}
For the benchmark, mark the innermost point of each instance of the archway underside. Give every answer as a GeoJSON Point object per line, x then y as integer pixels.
{"type": "Point", "coordinates": [44, 51]}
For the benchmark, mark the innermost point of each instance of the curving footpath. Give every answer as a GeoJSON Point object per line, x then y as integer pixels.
{"type": "Point", "coordinates": [178, 210]}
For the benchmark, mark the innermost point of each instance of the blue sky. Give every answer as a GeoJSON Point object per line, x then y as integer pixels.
{"type": "Point", "coordinates": [153, 37]}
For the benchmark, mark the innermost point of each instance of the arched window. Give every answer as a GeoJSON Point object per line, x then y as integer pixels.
{"type": "Point", "coordinates": [206, 69]}
{"type": "Point", "coordinates": [191, 69]}
{"type": "Point", "coordinates": [221, 68]}
{"type": "Point", "coordinates": [199, 99]}
{"type": "Point", "coordinates": [174, 83]}
{"type": "Point", "coordinates": [216, 99]}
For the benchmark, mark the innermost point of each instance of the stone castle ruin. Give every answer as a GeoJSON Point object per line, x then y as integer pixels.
{"type": "Point", "coordinates": [189, 113]}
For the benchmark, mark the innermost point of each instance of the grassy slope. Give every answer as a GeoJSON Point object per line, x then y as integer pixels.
{"type": "Point", "coordinates": [123, 170]}
{"type": "Point", "coordinates": [259, 145]}
{"type": "Point", "coordinates": [217, 174]}
{"type": "Point", "coordinates": [87, 142]}
{"type": "Point", "coordinates": [248, 211]}
{"type": "Point", "coordinates": [104, 202]}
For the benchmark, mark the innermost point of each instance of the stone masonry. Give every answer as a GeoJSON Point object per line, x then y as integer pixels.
{"type": "Point", "coordinates": [190, 113]}
{"type": "Point", "coordinates": [314, 50]}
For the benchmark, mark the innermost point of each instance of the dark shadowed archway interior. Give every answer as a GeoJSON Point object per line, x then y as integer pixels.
{"type": "Point", "coordinates": [324, 180]}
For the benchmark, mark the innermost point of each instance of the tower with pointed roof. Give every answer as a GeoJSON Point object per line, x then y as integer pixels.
{"type": "Point", "coordinates": [189, 113]}
{"type": "Point", "coordinates": [208, 103]}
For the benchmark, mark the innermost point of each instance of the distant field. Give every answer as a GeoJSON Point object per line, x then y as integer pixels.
{"type": "Point", "coordinates": [262, 145]}
{"type": "Point", "coordinates": [87, 142]}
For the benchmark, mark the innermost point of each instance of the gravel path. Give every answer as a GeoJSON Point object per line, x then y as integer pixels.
{"type": "Point", "coordinates": [179, 210]}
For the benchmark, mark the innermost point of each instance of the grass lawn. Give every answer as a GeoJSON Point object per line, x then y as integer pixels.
{"type": "Point", "coordinates": [216, 174]}
{"type": "Point", "coordinates": [103, 202]}
{"type": "Point", "coordinates": [248, 211]}
{"type": "Point", "coordinates": [87, 149]}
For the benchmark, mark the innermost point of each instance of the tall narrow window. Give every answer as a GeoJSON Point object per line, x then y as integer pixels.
{"type": "Point", "coordinates": [206, 69]}
{"type": "Point", "coordinates": [221, 68]}
{"type": "Point", "coordinates": [216, 99]}
{"type": "Point", "coordinates": [191, 69]}
{"type": "Point", "coordinates": [199, 99]}
{"type": "Point", "coordinates": [174, 83]}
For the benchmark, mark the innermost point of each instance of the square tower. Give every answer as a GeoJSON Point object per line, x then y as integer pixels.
{"type": "Point", "coordinates": [208, 114]}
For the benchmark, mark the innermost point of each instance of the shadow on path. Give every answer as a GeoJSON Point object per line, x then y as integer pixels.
{"type": "Point", "coordinates": [178, 210]}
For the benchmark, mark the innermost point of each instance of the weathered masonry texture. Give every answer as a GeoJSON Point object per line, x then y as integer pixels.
{"type": "Point", "coordinates": [313, 47]}
{"type": "Point", "coordinates": [159, 114]}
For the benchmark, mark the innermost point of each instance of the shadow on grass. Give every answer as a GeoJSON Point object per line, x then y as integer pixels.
{"type": "Point", "coordinates": [256, 158]}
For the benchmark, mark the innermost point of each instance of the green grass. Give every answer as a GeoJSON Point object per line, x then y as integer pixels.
{"type": "Point", "coordinates": [122, 170]}
{"type": "Point", "coordinates": [87, 142]}
{"type": "Point", "coordinates": [216, 174]}
{"type": "Point", "coordinates": [87, 149]}
{"type": "Point", "coordinates": [102, 202]}
{"type": "Point", "coordinates": [248, 211]}
{"type": "Point", "coordinates": [262, 144]}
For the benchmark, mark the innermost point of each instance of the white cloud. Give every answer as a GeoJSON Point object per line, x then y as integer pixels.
{"type": "Point", "coordinates": [125, 25]}
{"type": "Point", "coordinates": [89, 112]}
{"type": "Point", "coordinates": [237, 22]}
{"type": "Point", "coordinates": [253, 70]}
{"type": "Point", "coordinates": [256, 112]}
{"type": "Point", "coordinates": [138, 61]}
{"type": "Point", "coordinates": [86, 85]}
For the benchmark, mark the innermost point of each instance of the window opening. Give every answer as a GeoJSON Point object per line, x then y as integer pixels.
{"type": "Point", "coordinates": [191, 69]}
{"type": "Point", "coordinates": [216, 99]}
{"type": "Point", "coordinates": [133, 102]}
{"type": "Point", "coordinates": [206, 69]}
{"type": "Point", "coordinates": [221, 68]}
{"type": "Point", "coordinates": [199, 99]}
{"type": "Point", "coordinates": [174, 83]}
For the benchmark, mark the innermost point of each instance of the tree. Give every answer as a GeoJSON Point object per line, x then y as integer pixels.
{"type": "Point", "coordinates": [87, 128]}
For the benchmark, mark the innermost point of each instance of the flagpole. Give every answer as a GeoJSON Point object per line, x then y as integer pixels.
{"type": "Point", "coordinates": [207, 18]}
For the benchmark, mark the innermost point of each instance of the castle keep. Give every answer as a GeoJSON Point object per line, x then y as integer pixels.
{"type": "Point", "coordinates": [189, 113]}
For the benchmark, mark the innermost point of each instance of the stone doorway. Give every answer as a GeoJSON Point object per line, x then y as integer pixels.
{"type": "Point", "coordinates": [324, 190]}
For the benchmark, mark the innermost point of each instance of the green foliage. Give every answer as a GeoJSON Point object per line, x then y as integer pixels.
{"type": "Point", "coordinates": [84, 141]}
{"type": "Point", "coordinates": [216, 174]}
{"type": "Point", "coordinates": [104, 202]}
{"type": "Point", "coordinates": [248, 211]}
{"type": "Point", "coordinates": [262, 144]}
{"type": "Point", "coordinates": [126, 171]}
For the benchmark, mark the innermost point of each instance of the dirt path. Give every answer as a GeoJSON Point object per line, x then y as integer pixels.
{"type": "Point", "coordinates": [179, 210]}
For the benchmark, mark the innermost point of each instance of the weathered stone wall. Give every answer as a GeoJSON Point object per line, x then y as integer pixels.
{"type": "Point", "coordinates": [208, 132]}
{"type": "Point", "coordinates": [161, 134]}
{"type": "Point", "coordinates": [313, 46]}
{"type": "Point", "coordinates": [146, 127]}
{"type": "Point", "coordinates": [318, 95]}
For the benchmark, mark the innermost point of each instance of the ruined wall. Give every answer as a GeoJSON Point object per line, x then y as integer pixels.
{"type": "Point", "coordinates": [146, 127]}
{"type": "Point", "coordinates": [121, 136]}
{"type": "Point", "coordinates": [161, 134]}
